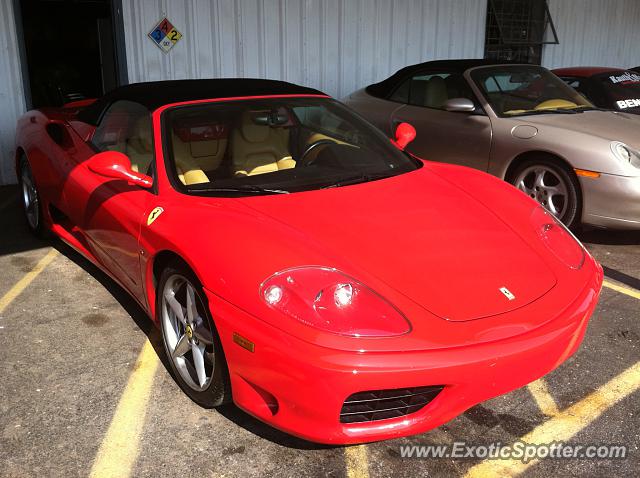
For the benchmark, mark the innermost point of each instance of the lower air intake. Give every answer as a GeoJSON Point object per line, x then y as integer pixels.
{"type": "Point", "coordinates": [382, 404]}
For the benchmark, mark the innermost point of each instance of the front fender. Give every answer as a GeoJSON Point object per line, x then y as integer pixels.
{"type": "Point", "coordinates": [230, 247]}
{"type": "Point", "coordinates": [579, 150]}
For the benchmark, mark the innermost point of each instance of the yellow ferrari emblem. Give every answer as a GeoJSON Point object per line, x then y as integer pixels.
{"type": "Point", "coordinates": [189, 332]}
{"type": "Point", "coordinates": [155, 214]}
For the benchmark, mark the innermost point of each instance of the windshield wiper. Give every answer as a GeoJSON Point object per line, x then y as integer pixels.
{"type": "Point", "coordinates": [589, 108]}
{"type": "Point", "coordinates": [562, 111]}
{"type": "Point", "coordinates": [360, 178]}
{"type": "Point", "coordinates": [243, 189]}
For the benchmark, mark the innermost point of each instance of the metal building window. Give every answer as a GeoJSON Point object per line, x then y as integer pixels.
{"type": "Point", "coordinates": [517, 30]}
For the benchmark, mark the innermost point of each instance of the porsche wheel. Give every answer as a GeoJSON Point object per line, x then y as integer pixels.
{"type": "Point", "coordinates": [555, 187]}
{"type": "Point", "coordinates": [30, 198]}
{"type": "Point", "coordinates": [190, 338]}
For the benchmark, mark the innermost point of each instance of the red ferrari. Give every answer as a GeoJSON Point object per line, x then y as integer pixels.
{"type": "Point", "coordinates": [300, 264]}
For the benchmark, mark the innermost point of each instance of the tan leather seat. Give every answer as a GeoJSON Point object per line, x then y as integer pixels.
{"type": "Point", "coordinates": [207, 154]}
{"type": "Point", "coordinates": [435, 93]}
{"type": "Point", "coordinates": [139, 145]}
{"type": "Point", "coordinates": [259, 149]}
{"type": "Point", "coordinates": [189, 170]}
{"type": "Point", "coordinates": [139, 149]}
{"type": "Point", "coordinates": [189, 173]}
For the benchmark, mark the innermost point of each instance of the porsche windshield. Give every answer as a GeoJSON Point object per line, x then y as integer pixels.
{"type": "Point", "coordinates": [275, 145]}
{"type": "Point", "coordinates": [516, 90]}
{"type": "Point", "coordinates": [621, 88]}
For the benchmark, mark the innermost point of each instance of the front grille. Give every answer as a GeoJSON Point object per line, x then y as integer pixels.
{"type": "Point", "coordinates": [382, 404]}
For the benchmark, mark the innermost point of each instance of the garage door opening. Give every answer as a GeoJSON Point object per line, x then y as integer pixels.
{"type": "Point", "coordinates": [70, 50]}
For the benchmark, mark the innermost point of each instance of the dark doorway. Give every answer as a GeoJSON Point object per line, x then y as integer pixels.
{"type": "Point", "coordinates": [70, 49]}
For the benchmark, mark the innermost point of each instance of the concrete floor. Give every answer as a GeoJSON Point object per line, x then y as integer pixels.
{"type": "Point", "coordinates": [70, 341]}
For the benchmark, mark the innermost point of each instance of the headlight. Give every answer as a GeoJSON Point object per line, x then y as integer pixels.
{"type": "Point", "coordinates": [331, 301]}
{"type": "Point", "coordinates": [558, 238]}
{"type": "Point", "coordinates": [625, 154]}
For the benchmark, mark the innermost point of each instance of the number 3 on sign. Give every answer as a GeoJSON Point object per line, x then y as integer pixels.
{"type": "Point", "coordinates": [157, 35]}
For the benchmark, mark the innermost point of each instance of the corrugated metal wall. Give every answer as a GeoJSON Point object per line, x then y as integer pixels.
{"type": "Point", "coordinates": [11, 92]}
{"type": "Point", "coordinates": [334, 45]}
{"type": "Point", "coordinates": [595, 33]}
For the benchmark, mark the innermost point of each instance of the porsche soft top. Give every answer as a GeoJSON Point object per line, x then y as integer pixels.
{"type": "Point", "coordinates": [154, 94]}
{"type": "Point", "coordinates": [385, 87]}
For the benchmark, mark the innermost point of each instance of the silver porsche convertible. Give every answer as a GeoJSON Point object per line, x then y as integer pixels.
{"type": "Point", "coordinates": [520, 123]}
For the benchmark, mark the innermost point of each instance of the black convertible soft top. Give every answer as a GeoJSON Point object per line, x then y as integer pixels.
{"type": "Point", "coordinates": [154, 94]}
{"type": "Point", "coordinates": [386, 87]}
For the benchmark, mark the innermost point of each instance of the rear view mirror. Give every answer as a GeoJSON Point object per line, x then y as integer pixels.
{"type": "Point", "coordinates": [115, 165]}
{"type": "Point", "coordinates": [463, 105]}
{"type": "Point", "coordinates": [405, 133]}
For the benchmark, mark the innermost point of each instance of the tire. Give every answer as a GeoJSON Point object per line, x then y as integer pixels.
{"type": "Point", "coordinates": [553, 185]}
{"type": "Point", "coordinates": [198, 334]}
{"type": "Point", "coordinates": [30, 199]}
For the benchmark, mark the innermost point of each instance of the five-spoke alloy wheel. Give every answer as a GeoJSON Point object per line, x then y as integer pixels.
{"type": "Point", "coordinates": [553, 186]}
{"type": "Point", "coordinates": [30, 198]}
{"type": "Point", "coordinates": [190, 338]}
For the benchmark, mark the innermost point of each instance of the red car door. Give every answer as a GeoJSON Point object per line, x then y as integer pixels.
{"type": "Point", "coordinates": [107, 214]}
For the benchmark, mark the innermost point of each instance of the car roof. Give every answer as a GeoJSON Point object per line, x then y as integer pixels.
{"type": "Point", "coordinates": [585, 71]}
{"type": "Point", "coordinates": [385, 87]}
{"type": "Point", "coordinates": [155, 94]}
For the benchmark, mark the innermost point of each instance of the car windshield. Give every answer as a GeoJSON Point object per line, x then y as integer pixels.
{"type": "Point", "coordinates": [275, 145]}
{"type": "Point", "coordinates": [517, 90]}
{"type": "Point", "coordinates": [622, 88]}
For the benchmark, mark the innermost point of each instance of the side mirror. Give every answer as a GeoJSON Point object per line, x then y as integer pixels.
{"type": "Point", "coordinates": [463, 105]}
{"type": "Point", "coordinates": [405, 133]}
{"type": "Point", "coordinates": [112, 164]}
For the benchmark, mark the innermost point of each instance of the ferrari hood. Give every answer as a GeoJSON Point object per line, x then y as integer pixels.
{"type": "Point", "coordinates": [610, 125]}
{"type": "Point", "coordinates": [421, 236]}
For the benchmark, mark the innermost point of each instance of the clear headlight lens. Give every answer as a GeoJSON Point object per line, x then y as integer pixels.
{"type": "Point", "coordinates": [555, 235]}
{"type": "Point", "coordinates": [626, 154]}
{"type": "Point", "coordinates": [331, 301]}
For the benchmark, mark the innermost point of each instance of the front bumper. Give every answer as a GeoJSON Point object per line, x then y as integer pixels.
{"type": "Point", "coordinates": [300, 388]}
{"type": "Point", "coordinates": [611, 201]}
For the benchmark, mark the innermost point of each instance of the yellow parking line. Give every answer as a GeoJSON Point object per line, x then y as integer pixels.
{"type": "Point", "coordinates": [356, 461]}
{"type": "Point", "coordinates": [567, 423]}
{"type": "Point", "coordinates": [543, 398]}
{"type": "Point", "coordinates": [623, 290]}
{"type": "Point", "coordinates": [22, 284]}
{"type": "Point", "coordinates": [120, 446]}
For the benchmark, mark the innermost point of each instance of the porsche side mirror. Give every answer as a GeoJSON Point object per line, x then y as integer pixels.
{"type": "Point", "coordinates": [463, 105]}
{"type": "Point", "coordinates": [115, 165]}
{"type": "Point", "coordinates": [405, 133]}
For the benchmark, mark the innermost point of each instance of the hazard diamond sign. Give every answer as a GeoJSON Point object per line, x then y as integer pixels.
{"type": "Point", "coordinates": [165, 35]}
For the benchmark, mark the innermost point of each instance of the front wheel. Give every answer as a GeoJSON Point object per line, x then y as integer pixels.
{"type": "Point", "coordinates": [30, 198]}
{"type": "Point", "coordinates": [555, 187]}
{"type": "Point", "coordinates": [190, 338]}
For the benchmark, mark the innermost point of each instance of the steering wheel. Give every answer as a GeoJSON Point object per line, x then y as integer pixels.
{"type": "Point", "coordinates": [302, 161]}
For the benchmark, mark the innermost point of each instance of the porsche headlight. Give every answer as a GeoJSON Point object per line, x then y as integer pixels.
{"type": "Point", "coordinates": [331, 301]}
{"type": "Point", "coordinates": [560, 241]}
{"type": "Point", "coordinates": [625, 154]}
